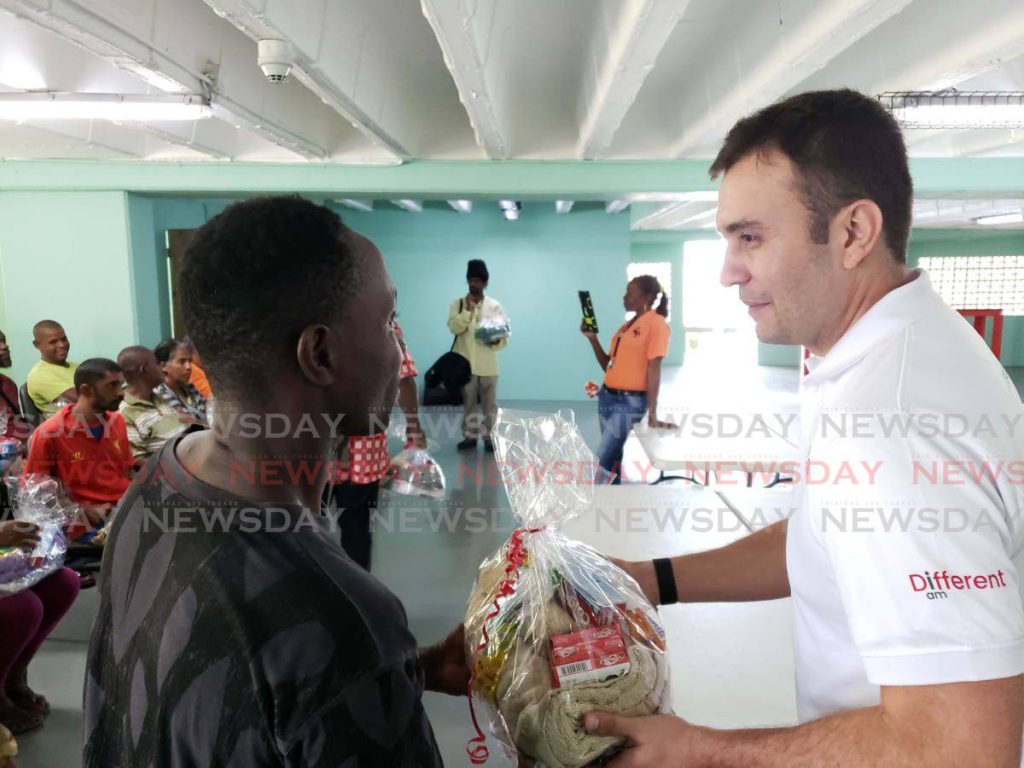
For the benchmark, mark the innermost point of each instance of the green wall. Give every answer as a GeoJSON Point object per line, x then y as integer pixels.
{"type": "Point", "coordinates": [67, 256]}
{"type": "Point", "coordinates": [96, 261]}
{"type": "Point", "coordinates": [672, 252]}
{"type": "Point", "coordinates": [536, 264]}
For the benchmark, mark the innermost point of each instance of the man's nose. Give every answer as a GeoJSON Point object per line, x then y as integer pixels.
{"type": "Point", "coordinates": [734, 270]}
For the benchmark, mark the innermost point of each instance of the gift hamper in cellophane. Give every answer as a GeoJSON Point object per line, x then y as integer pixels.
{"type": "Point", "coordinates": [554, 630]}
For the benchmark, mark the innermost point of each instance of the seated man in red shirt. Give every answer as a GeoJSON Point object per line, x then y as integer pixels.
{"type": "Point", "coordinates": [85, 445]}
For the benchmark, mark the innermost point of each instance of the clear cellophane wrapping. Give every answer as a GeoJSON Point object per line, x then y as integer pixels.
{"type": "Point", "coordinates": [553, 629]}
{"type": "Point", "coordinates": [41, 500]}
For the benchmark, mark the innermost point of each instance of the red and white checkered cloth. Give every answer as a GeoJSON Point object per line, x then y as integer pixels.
{"type": "Point", "coordinates": [365, 460]}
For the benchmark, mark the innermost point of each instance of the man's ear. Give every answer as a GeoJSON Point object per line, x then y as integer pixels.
{"type": "Point", "coordinates": [313, 353]}
{"type": "Point", "coordinates": [860, 227]}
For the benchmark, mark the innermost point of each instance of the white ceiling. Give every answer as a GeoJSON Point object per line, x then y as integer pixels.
{"type": "Point", "coordinates": [385, 81]}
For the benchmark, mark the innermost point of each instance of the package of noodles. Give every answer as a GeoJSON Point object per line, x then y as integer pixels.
{"type": "Point", "coordinates": [553, 629]}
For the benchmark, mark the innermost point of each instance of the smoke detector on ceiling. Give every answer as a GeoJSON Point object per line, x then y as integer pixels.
{"type": "Point", "coordinates": [275, 58]}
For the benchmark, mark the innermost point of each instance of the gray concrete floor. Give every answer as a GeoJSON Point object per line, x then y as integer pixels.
{"type": "Point", "coordinates": [426, 553]}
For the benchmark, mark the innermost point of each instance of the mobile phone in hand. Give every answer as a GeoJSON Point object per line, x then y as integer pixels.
{"type": "Point", "coordinates": [589, 319]}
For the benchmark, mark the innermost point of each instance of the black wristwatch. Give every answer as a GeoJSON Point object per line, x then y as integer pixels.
{"type": "Point", "coordinates": [666, 577]}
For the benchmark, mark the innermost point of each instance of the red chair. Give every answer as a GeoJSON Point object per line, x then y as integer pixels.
{"type": "Point", "coordinates": [979, 319]}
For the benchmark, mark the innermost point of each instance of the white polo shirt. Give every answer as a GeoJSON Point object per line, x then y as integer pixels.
{"type": "Point", "coordinates": [905, 556]}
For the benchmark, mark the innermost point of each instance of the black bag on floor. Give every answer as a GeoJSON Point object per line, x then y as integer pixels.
{"type": "Point", "coordinates": [444, 380]}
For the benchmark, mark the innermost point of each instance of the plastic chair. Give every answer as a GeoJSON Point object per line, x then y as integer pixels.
{"type": "Point", "coordinates": [29, 412]}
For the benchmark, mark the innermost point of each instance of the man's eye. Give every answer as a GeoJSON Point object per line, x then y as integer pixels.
{"type": "Point", "coordinates": [748, 239]}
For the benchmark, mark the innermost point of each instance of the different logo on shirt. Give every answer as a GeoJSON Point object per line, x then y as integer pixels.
{"type": "Point", "coordinates": [77, 456]}
{"type": "Point", "coordinates": [936, 585]}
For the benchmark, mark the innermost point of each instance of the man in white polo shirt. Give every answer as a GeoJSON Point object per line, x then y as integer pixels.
{"type": "Point", "coordinates": [904, 568]}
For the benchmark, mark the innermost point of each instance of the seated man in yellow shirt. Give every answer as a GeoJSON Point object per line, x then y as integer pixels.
{"type": "Point", "coordinates": [51, 382]}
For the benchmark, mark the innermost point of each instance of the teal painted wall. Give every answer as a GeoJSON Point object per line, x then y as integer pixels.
{"type": "Point", "coordinates": [536, 264]}
{"type": "Point", "coordinates": [977, 243]}
{"type": "Point", "coordinates": [149, 272]}
{"type": "Point", "coordinates": [67, 256]}
{"type": "Point", "coordinates": [672, 252]}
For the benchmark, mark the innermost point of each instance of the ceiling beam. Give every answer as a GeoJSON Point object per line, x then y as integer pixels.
{"type": "Point", "coordinates": [808, 44]}
{"type": "Point", "coordinates": [290, 117]}
{"type": "Point", "coordinates": [616, 206]}
{"type": "Point", "coordinates": [462, 206]}
{"type": "Point", "coordinates": [94, 133]}
{"type": "Point", "coordinates": [468, 70]}
{"type": "Point", "coordinates": [413, 206]}
{"type": "Point", "coordinates": [990, 39]}
{"type": "Point", "coordinates": [623, 57]}
{"type": "Point", "coordinates": [675, 215]}
{"type": "Point", "coordinates": [913, 61]}
{"type": "Point", "coordinates": [366, 206]}
{"type": "Point", "coordinates": [275, 20]}
{"type": "Point", "coordinates": [563, 206]}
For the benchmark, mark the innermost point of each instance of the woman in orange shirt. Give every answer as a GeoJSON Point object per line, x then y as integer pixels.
{"type": "Point", "coordinates": [632, 368]}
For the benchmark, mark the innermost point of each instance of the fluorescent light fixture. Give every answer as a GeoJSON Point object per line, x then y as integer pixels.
{"type": "Point", "coordinates": [952, 109]}
{"type": "Point", "coordinates": [563, 206]}
{"type": "Point", "coordinates": [153, 77]}
{"type": "Point", "coordinates": [413, 206]}
{"type": "Point", "coordinates": [359, 205]}
{"type": "Point", "coordinates": [462, 206]}
{"type": "Point", "coordinates": [1001, 218]}
{"type": "Point", "coordinates": [615, 206]}
{"type": "Point", "coordinates": [510, 209]}
{"type": "Point", "coordinates": [20, 73]}
{"type": "Point", "coordinates": [116, 107]}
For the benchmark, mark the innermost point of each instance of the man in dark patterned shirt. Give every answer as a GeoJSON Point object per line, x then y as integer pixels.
{"type": "Point", "coordinates": [233, 630]}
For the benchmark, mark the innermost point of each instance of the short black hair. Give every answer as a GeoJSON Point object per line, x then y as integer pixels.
{"type": "Point", "coordinates": [845, 147]}
{"type": "Point", "coordinates": [255, 276]}
{"type": "Point", "coordinates": [46, 325]}
{"type": "Point", "coordinates": [164, 351]}
{"type": "Point", "coordinates": [92, 370]}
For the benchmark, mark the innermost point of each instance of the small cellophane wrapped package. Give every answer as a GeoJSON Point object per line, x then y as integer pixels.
{"type": "Point", "coordinates": [414, 472]}
{"type": "Point", "coordinates": [40, 500]}
{"type": "Point", "coordinates": [493, 327]}
{"type": "Point", "coordinates": [554, 630]}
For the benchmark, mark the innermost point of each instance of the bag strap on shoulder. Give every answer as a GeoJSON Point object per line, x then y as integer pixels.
{"type": "Point", "coordinates": [455, 336]}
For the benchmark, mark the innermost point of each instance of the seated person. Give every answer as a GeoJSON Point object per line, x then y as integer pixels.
{"type": "Point", "coordinates": [13, 429]}
{"type": "Point", "coordinates": [27, 617]}
{"type": "Point", "coordinates": [85, 446]}
{"type": "Point", "coordinates": [149, 420]}
{"type": "Point", "coordinates": [175, 359]}
{"type": "Point", "coordinates": [257, 640]}
{"type": "Point", "coordinates": [51, 381]}
{"type": "Point", "coordinates": [198, 378]}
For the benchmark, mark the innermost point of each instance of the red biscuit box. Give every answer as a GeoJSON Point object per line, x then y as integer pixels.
{"type": "Point", "coordinates": [594, 654]}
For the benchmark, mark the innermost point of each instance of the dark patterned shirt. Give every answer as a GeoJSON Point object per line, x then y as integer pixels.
{"type": "Point", "coordinates": [194, 404]}
{"type": "Point", "coordinates": [236, 635]}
